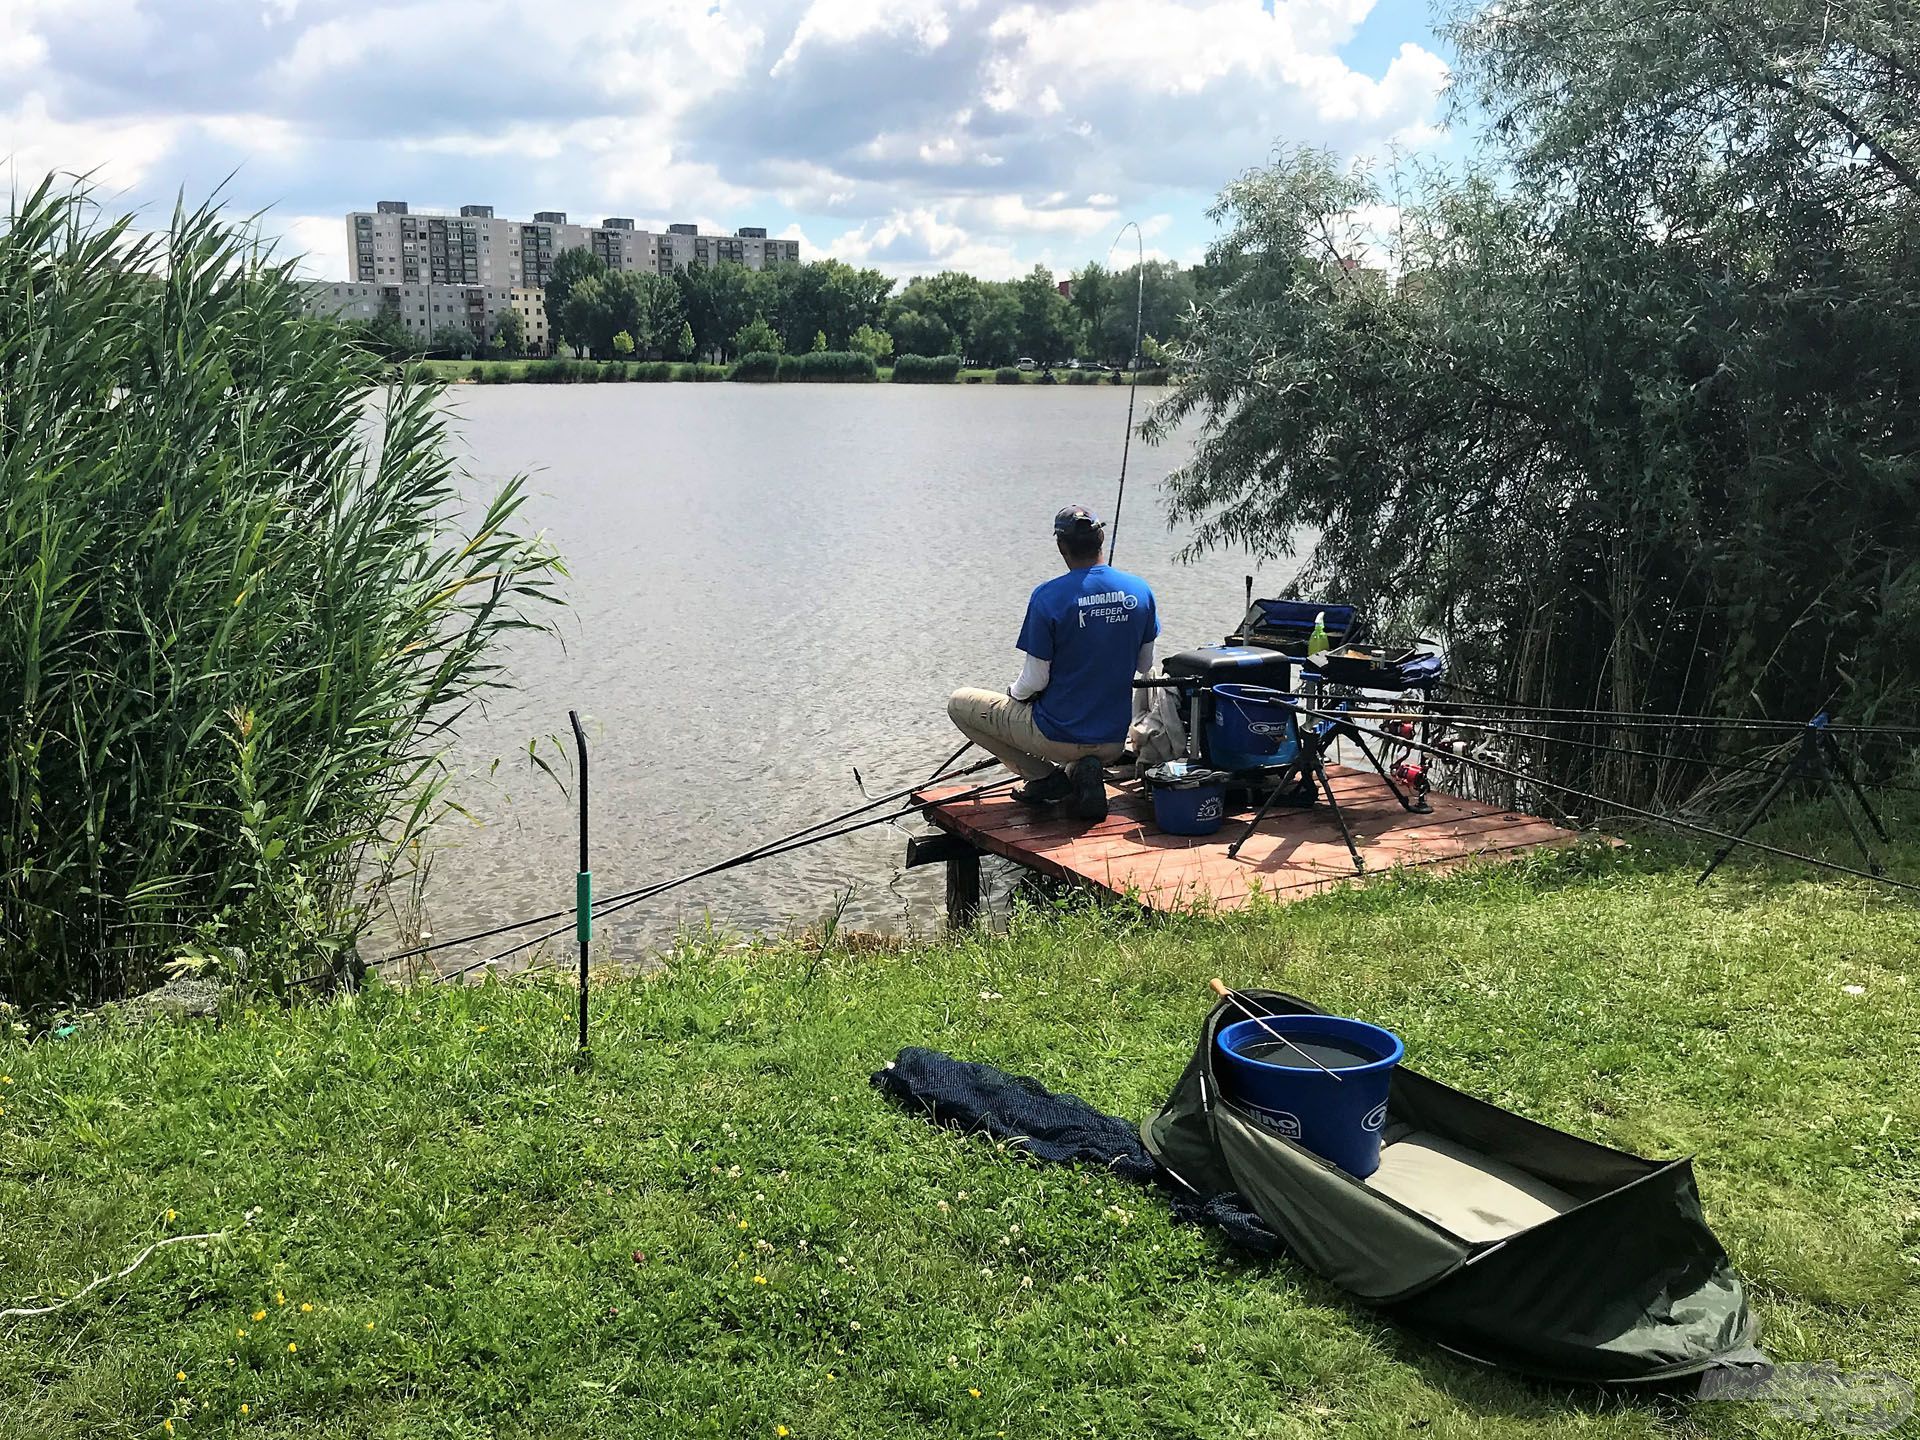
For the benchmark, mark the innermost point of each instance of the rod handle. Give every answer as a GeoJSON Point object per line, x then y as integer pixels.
{"type": "Point", "coordinates": [583, 906]}
{"type": "Point", "coordinates": [1219, 987]}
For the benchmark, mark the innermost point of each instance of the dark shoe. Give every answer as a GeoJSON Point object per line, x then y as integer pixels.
{"type": "Point", "coordinates": [1089, 779]}
{"type": "Point", "coordinates": [1049, 789]}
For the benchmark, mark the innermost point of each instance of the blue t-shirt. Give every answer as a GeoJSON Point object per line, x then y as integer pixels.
{"type": "Point", "coordinates": [1089, 626]}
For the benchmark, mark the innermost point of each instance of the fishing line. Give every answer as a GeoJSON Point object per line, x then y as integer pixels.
{"type": "Point", "coordinates": [1133, 385]}
{"type": "Point", "coordinates": [799, 840]}
{"type": "Point", "coordinates": [1339, 717]}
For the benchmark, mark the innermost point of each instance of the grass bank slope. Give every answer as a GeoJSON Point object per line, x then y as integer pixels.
{"type": "Point", "coordinates": [718, 1229]}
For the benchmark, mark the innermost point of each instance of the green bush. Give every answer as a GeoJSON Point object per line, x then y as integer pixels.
{"type": "Point", "coordinates": [926, 369]}
{"type": "Point", "coordinates": [756, 365]}
{"type": "Point", "coordinates": [239, 609]}
{"type": "Point", "coordinates": [829, 365]}
{"type": "Point", "coordinates": [477, 374]}
{"type": "Point", "coordinates": [1153, 377]}
{"type": "Point", "coordinates": [1009, 375]}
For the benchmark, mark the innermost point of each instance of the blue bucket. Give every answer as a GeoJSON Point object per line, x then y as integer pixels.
{"type": "Point", "coordinates": [1188, 799]}
{"type": "Point", "coordinates": [1252, 727]}
{"type": "Point", "coordinates": [1338, 1120]}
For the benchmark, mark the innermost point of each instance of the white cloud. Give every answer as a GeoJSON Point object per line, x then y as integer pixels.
{"type": "Point", "coordinates": [320, 242]}
{"type": "Point", "coordinates": [973, 133]}
{"type": "Point", "coordinates": [840, 22]}
{"type": "Point", "coordinates": [118, 154]}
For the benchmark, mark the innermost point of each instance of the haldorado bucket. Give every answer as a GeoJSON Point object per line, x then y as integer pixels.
{"type": "Point", "coordinates": [1188, 799]}
{"type": "Point", "coordinates": [1339, 1120]}
{"type": "Point", "coordinates": [1252, 727]}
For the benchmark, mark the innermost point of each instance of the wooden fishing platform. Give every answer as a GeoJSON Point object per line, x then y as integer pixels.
{"type": "Point", "coordinates": [1296, 852]}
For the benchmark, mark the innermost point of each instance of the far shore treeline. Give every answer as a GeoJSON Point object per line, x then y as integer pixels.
{"type": "Point", "coordinates": [715, 314]}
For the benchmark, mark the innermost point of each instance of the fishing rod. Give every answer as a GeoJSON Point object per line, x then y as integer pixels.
{"type": "Point", "coordinates": [800, 840]}
{"type": "Point", "coordinates": [1219, 987]}
{"type": "Point", "coordinates": [553, 915]}
{"type": "Point", "coordinates": [1729, 767]}
{"type": "Point", "coordinates": [1619, 805]}
{"type": "Point", "coordinates": [1133, 385]}
{"type": "Point", "coordinates": [1630, 719]}
{"type": "Point", "coordinates": [1781, 728]}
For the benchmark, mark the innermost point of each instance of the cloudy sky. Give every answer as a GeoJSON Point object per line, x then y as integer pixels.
{"type": "Point", "coordinates": [915, 135]}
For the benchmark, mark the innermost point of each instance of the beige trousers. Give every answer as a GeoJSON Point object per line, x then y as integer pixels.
{"type": "Point", "coordinates": [1004, 728]}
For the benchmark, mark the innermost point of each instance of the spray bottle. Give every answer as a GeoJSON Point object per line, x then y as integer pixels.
{"type": "Point", "coordinates": [1317, 641]}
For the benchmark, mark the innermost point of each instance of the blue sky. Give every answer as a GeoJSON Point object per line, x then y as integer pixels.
{"type": "Point", "coordinates": [915, 135]}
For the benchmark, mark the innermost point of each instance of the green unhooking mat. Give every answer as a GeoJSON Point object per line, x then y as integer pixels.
{"type": "Point", "coordinates": [1498, 1238]}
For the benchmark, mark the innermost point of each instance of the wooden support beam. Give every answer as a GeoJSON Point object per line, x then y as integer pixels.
{"type": "Point", "coordinates": [963, 888]}
{"type": "Point", "coordinates": [934, 849]}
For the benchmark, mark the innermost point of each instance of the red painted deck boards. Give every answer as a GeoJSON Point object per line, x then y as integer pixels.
{"type": "Point", "coordinates": [1294, 853]}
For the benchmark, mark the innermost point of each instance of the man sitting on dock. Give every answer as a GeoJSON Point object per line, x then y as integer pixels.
{"type": "Point", "coordinates": [1065, 718]}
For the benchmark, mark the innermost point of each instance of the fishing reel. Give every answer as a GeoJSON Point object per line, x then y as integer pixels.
{"type": "Point", "coordinates": [1413, 775]}
{"type": "Point", "coordinates": [1400, 729]}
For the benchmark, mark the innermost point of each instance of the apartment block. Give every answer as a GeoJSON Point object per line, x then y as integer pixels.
{"type": "Point", "coordinates": [390, 245]}
{"type": "Point", "coordinates": [426, 309]}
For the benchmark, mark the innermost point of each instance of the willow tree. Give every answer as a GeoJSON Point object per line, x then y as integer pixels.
{"type": "Point", "coordinates": [244, 603]}
{"type": "Point", "coordinates": [1632, 408]}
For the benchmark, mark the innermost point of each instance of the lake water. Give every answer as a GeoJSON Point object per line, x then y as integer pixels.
{"type": "Point", "coordinates": [772, 586]}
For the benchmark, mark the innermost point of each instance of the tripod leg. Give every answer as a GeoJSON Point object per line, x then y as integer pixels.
{"type": "Point", "coordinates": [1326, 784]}
{"type": "Point", "coordinates": [1412, 807]}
{"type": "Point", "coordinates": [1838, 761]}
{"type": "Point", "coordinates": [1840, 803]}
{"type": "Point", "coordinates": [1773, 793]}
{"type": "Point", "coordinates": [1233, 850]}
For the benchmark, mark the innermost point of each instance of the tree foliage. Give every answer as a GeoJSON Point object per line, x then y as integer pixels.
{"type": "Point", "coordinates": [1639, 423]}
{"type": "Point", "coordinates": [509, 335]}
{"type": "Point", "coordinates": [569, 268]}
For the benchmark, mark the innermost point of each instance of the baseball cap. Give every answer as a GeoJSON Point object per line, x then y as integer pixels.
{"type": "Point", "coordinates": [1075, 520]}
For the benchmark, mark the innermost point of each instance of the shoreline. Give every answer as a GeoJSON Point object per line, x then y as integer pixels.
{"type": "Point", "coordinates": [561, 371]}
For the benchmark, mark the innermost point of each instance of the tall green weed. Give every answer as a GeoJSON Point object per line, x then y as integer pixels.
{"type": "Point", "coordinates": [243, 605]}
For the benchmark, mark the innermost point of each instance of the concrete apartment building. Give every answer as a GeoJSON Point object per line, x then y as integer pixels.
{"type": "Point", "coordinates": [439, 270]}
{"type": "Point", "coordinates": [425, 310]}
{"type": "Point", "coordinates": [390, 245]}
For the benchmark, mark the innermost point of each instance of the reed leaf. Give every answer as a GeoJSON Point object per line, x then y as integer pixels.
{"type": "Point", "coordinates": [244, 599]}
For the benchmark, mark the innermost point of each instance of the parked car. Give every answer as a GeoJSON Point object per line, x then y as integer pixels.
{"type": "Point", "coordinates": [1027, 362]}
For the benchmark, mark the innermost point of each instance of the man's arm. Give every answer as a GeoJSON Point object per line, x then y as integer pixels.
{"type": "Point", "coordinates": [1034, 675]}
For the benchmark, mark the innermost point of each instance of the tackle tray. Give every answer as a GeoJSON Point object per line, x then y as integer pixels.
{"type": "Point", "coordinates": [1376, 667]}
{"type": "Point", "coordinates": [1287, 625]}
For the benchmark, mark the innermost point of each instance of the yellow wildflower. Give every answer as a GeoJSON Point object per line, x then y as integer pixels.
{"type": "Point", "coordinates": [170, 1215]}
{"type": "Point", "coordinates": [258, 1316]}
{"type": "Point", "coordinates": [241, 1333]}
{"type": "Point", "coordinates": [245, 1409]}
{"type": "Point", "coordinates": [781, 1430]}
{"type": "Point", "coordinates": [167, 1425]}
{"type": "Point", "coordinates": [279, 1297]}
{"type": "Point", "coordinates": [292, 1348]}
{"type": "Point", "coordinates": [180, 1375]}
{"type": "Point", "coordinates": [6, 1079]}
{"type": "Point", "coordinates": [759, 1279]}
{"type": "Point", "coordinates": [974, 1391]}
{"type": "Point", "coordinates": [305, 1308]}
{"type": "Point", "coordinates": [743, 1224]}
{"type": "Point", "coordinates": [369, 1324]}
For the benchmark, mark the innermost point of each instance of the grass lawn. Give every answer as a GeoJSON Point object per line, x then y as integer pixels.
{"type": "Point", "coordinates": [718, 1229]}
